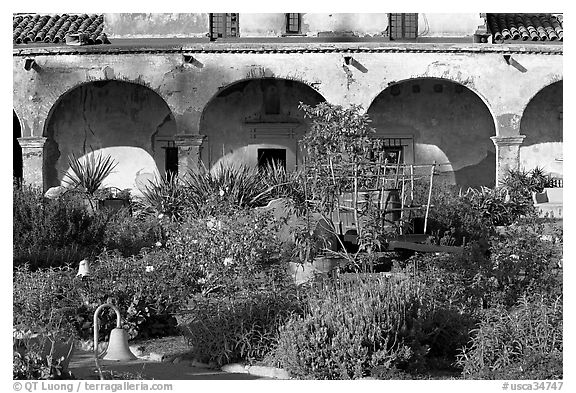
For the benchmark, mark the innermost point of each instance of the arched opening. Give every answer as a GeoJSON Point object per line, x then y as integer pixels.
{"type": "Point", "coordinates": [436, 120]}
{"type": "Point", "coordinates": [16, 149]}
{"type": "Point", "coordinates": [256, 121]}
{"type": "Point", "coordinates": [542, 124]}
{"type": "Point", "coordinates": [127, 121]}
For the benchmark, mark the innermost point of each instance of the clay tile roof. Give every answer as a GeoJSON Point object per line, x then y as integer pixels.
{"type": "Point", "coordinates": [54, 28]}
{"type": "Point", "coordinates": [533, 27]}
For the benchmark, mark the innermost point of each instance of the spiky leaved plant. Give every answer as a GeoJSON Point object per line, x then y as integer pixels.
{"type": "Point", "coordinates": [88, 174]}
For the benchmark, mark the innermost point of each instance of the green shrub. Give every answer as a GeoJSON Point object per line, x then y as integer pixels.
{"type": "Point", "coordinates": [523, 343]}
{"type": "Point", "coordinates": [54, 232]}
{"type": "Point", "coordinates": [44, 300]}
{"type": "Point", "coordinates": [525, 258]}
{"type": "Point", "coordinates": [350, 329]}
{"type": "Point", "coordinates": [129, 234]}
{"type": "Point", "coordinates": [232, 252]}
{"type": "Point", "coordinates": [149, 289]}
{"type": "Point", "coordinates": [243, 327]}
{"type": "Point", "coordinates": [32, 364]}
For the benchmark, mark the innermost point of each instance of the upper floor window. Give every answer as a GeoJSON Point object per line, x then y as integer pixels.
{"type": "Point", "coordinates": [223, 25]}
{"type": "Point", "coordinates": [403, 26]}
{"type": "Point", "coordinates": [292, 23]}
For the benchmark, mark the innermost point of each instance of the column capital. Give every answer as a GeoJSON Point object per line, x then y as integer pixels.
{"type": "Point", "coordinates": [188, 140]}
{"type": "Point", "coordinates": [32, 142]}
{"type": "Point", "coordinates": [508, 140]}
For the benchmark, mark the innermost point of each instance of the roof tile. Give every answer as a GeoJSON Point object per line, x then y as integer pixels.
{"type": "Point", "coordinates": [535, 27]}
{"type": "Point", "coordinates": [54, 28]}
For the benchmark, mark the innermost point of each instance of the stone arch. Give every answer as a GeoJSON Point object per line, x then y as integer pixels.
{"type": "Point", "coordinates": [124, 119]}
{"type": "Point", "coordinates": [16, 148]}
{"type": "Point", "coordinates": [436, 119]}
{"type": "Point", "coordinates": [542, 124]}
{"type": "Point", "coordinates": [261, 119]}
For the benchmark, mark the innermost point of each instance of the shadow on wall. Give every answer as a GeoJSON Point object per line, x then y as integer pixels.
{"type": "Point", "coordinates": [16, 149]}
{"type": "Point", "coordinates": [443, 120]}
{"type": "Point", "coordinates": [481, 174]}
{"type": "Point", "coordinates": [130, 122]}
{"type": "Point", "coordinates": [255, 114]}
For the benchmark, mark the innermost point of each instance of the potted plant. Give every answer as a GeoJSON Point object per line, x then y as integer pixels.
{"type": "Point", "coordinates": [112, 198]}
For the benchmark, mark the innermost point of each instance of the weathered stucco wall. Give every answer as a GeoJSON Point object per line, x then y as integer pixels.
{"type": "Point", "coordinates": [126, 121]}
{"type": "Point", "coordinates": [360, 25]}
{"type": "Point", "coordinates": [162, 25]}
{"type": "Point", "coordinates": [247, 127]}
{"type": "Point", "coordinates": [448, 124]}
{"type": "Point", "coordinates": [188, 88]}
{"type": "Point", "coordinates": [262, 25]}
{"type": "Point", "coordinates": [448, 25]}
{"type": "Point", "coordinates": [542, 125]}
{"type": "Point", "coordinates": [156, 25]}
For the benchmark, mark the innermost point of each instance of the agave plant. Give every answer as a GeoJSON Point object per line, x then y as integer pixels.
{"type": "Point", "coordinates": [89, 174]}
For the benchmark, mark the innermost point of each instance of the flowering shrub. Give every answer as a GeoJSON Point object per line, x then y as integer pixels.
{"type": "Point", "coordinates": [44, 300]}
{"type": "Point", "coordinates": [149, 289]}
{"type": "Point", "coordinates": [523, 343]}
{"type": "Point", "coordinates": [232, 252]}
{"type": "Point", "coordinates": [525, 258]}
{"type": "Point", "coordinates": [350, 330]}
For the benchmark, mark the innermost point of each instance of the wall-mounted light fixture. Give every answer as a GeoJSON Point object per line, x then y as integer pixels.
{"type": "Point", "coordinates": [189, 59]}
{"type": "Point", "coordinates": [348, 60]}
{"type": "Point", "coordinates": [30, 63]}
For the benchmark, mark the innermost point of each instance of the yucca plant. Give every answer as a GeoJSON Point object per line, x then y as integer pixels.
{"type": "Point", "coordinates": [168, 196]}
{"type": "Point", "coordinates": [239, 185]}
{"type": "Point", "coordinates": [88, 174]}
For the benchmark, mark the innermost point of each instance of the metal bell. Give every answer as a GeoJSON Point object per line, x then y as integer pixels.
{"type": "Point", "coordinates": [118, 345]}
{"type": "Point", "coordinates": [83, 268]}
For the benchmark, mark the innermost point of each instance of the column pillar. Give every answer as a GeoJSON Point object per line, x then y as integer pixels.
{"type": "Point", "coordinates": [33, 160]}
{"type": "Point", "coordinates": [189, 146]}
{"type": "Point", "coordinates": [507, 154]}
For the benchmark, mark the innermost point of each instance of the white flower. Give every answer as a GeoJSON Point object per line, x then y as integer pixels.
{"type": "Point", "coordinates": [194, 241]}
{"type": "Point", "coordinates": [201, 281]}
{"type": "Point", "coordinates": [212, 223]}
{"type": "Point", "coordinates": [221, 192]}
{"type": "Point", "coordinates": [149, 269]}
{"type": "Point", "coordinates": [546, 238]}
{"type": "Point", "coordinates": [158, 244]}
{"type": "Point", "coordinates": [160, 216]}
{"type": "Point", "coordinates": [514, 256]}
{"type": "Point", "coordinates": [228, 261]}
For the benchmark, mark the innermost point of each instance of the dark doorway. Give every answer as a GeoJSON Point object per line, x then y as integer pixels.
{"type": "Point", "coordinates": [171, 164]}
{"type": "Point", "coordinates": [17, 150]}
{"type": "Point", "coordinates": [268, 156]}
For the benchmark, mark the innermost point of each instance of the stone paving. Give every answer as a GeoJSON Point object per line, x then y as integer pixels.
{"type": "Point", "coordinates": [83, 367]}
